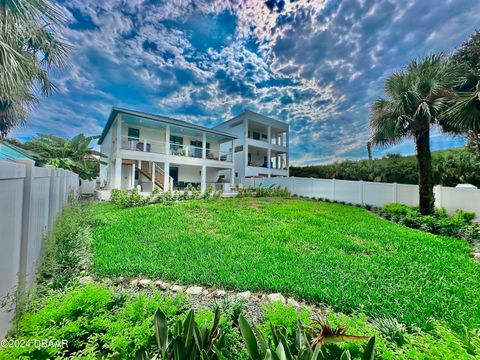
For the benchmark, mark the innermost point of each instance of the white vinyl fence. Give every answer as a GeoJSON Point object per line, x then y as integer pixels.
{"type": "Point", "coordinates": [373, 193]}
{"type": "Point", "coordinates": [30, 201]}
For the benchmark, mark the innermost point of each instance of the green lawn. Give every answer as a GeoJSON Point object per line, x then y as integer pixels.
{"type": "Point", "coordinates": [334, 254]}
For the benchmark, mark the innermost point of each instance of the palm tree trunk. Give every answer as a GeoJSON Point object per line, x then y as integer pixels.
{"type": "Point", "coordinates": [425, 176]}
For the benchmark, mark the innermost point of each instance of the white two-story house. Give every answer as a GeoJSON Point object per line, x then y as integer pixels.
{"type": "Point", "coordinates": [261, 145]}
{"type": "Point", "coordinates": [147, 151]}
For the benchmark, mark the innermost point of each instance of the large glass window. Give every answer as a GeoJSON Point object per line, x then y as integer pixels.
{"type": "Point", "coordinates": [176, 143]}
{"type": "Point", "coordinates": [133, 134]}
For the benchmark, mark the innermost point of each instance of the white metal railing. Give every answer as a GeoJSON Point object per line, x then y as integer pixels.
{"type": "Point", "coordinates": [219, 155]}
{"type": "Point", "coordinates": [185, 150]}
{"type": "Point", "coordinates": [145, 145]}
{"type": "Point", "coordinates": [161, 147]}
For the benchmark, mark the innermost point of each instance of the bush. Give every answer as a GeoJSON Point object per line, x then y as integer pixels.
{"type": "Point", "coordinates": [459, 225]}
{"type": "Point", "coordinates": [67, 248]}
{"type": "Point", "coordinates": [133, 198]}
{"type": "Point", "coordinates": [263, 192]}
{"type": "Point", "coordinates": [96, 321]}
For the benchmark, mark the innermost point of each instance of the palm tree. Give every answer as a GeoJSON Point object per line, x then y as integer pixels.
{"type": "Point", "coordinates": [414, 99]}
{"type": "Point", "coordinates": [73, 154]}
{"type": "Point", "coordinates": [29, 48]}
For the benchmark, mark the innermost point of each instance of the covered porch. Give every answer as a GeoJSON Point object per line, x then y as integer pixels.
{"type": "Point", "coordinates": [149, 175]}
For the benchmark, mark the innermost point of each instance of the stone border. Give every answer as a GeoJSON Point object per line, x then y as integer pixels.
{"type": "Point", "coordinates": [200, 296]}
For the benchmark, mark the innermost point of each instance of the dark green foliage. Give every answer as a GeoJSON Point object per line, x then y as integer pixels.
{"type": "Point", "coordinates": [133, 198]}
{"type": "Point", "coordinates": [468, 54]}
{"type": "Point", "coordinates": [73, 154]}
{"type": "Point", "coordinates": [459, 225]}
{"type": "Point", "coordinates": [67, 248]}
{"type": "Point", "coordinates": [450, 167]}
{"type": "Point", "coordinates": [187, 340]}
{"type": "Point", "coordinates": [96, 321]}
{"type": "Point", "coordinates": [103, 323]}
{"type": "Point", "coordinates": [276, 191]}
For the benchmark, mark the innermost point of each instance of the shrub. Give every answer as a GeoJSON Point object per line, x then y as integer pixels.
{"type": "Point", "coordinates": [67, 248]}
{"type": "Point", "coordinates": [283, 316]}
{"type": "Point", "coordinates": [392, 330]}
{"type": "Point", "coordinates": [133, 198]}
{"type": "Point", "coordinates": [459, 225]}
{"type": "Point", "coordinates": [263, 192]}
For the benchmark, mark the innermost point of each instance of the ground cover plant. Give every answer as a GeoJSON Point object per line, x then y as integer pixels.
{"type": "Point", "coordinates": [100, 321]}
{"type": "Point", "coordinates": [327, 253]}
{"type": "Point", "coordinates": [459, 225]}
{"type": "Point", "coordinates": [132, 198]}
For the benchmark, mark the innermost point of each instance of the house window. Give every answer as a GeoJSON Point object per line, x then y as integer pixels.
{"type": "Point", "coordinates": [133, 134]}
{"type": "Point", "coordinates": [236, 174]}
{"type": "Point", "coordinates": [264, 136]}
{"type": "Point", "coordinates": [256, 135]}
{"type": "Point", "coordinates": [176, 143]}
{"type": "Point", "coordinates": [197, 150]}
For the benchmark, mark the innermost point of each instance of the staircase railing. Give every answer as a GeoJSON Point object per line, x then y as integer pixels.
{"type": "Point", "coordinates": [155, 173]}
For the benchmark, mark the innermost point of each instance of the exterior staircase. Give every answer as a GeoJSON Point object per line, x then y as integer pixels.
{"type": "Point", "coordinates": [151, 171]}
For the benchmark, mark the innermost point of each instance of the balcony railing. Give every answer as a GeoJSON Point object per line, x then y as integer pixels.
{"type": "Point", "coordinates": [265, 166]}
{"type": "Point", "coordinates": [161, 147]}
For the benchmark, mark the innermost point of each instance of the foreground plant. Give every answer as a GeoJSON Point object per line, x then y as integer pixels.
{"type": "Point", "coordinates": [308, 345]}
{"type": "Point", "coordinates": [188, 340]}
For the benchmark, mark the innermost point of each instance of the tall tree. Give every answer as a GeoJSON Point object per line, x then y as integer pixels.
{"type": "Point", "coordinates": [414, 99]}
{"type": "Point", "coordinates": [463, 116]}
{"type": "Point", "coordinates": [73, 154]}
{"type": "Point", "coordinates": [30, 46]}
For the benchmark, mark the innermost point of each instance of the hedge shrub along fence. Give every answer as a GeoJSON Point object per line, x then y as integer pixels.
{"type": "Point", "coordinates": [373, 193]}
{"type": "Point", "coordinates": [30, 200]}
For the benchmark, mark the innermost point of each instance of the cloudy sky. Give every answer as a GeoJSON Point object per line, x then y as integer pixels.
{"type": "Point", "coordinates": [314, 64]}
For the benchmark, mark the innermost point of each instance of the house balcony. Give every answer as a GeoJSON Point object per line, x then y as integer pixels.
{"type": "Point", "coordinates": [150, 146]}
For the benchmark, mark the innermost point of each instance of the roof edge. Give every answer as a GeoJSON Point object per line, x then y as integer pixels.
{"type": "Point", "coordinates": [116, 110]}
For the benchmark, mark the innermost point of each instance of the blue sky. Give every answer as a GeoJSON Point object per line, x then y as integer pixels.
{"type": "Point", "coordinates": [314, 64]}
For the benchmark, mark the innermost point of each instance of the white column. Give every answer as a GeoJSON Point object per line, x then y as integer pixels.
{"type": "Point", "coordinates": [166, 177]}
{"type": "Point", "coordinates": [203, 181]}
{"type": "Point", "coordinates": [167, 139]}
{"type": "Point", "coordinates": [117, 176]}
{"type": "Point", "coordinates": [232, 177]}
{"type": "Point", "coordinates": [287, 156]}
{"type": "Point", "coordinates": [204, 145]}
{"type": "Point", "coordinates": [245, 142]}
{"type": "Point", "coordinates": [269, 134]}
{"type": "Point", "coordinates": [132, 180]}
{"type": "Point", "coordinates": [269, 159]}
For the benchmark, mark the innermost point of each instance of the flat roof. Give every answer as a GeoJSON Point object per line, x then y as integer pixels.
{"type": "Point", "coordinates": [159, 118]}
{"type": "Point", "coordinates": [247, 111]}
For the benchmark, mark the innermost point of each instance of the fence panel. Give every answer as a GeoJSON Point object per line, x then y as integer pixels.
{"type": "Point", "coordinates": [12, 177]}
{"type": "Point", "coordinates": [373, 193]}
{"type": "Point", "coordinates": [30, 200]}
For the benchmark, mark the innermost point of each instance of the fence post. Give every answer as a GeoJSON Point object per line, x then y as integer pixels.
{"type": "Point", "coordinates": [439, 195]}
{"type": "Point", "coordinates": [333, 184]}
{"type": "Point", "coordinates": [361, 191]}
{"type": "Point", "coordinates": [26, 236]}
{"type": "Point", "coordinates": [395, 192]}
{"type": "Point", "coordinates": [52, 198]}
